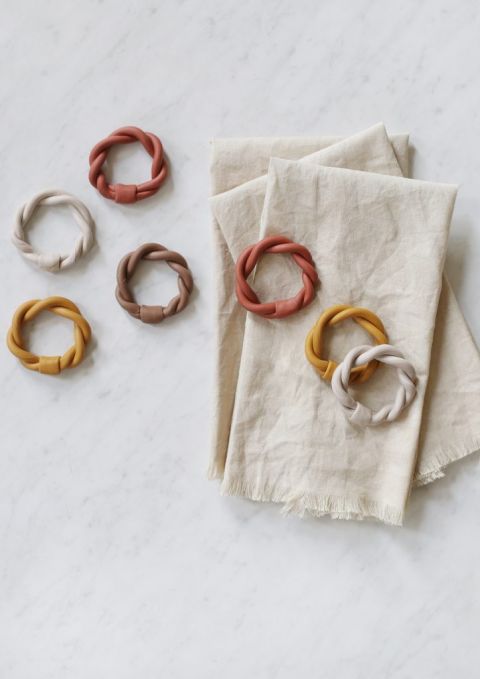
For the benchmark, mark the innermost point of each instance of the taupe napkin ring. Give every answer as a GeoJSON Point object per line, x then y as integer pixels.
{"type": "Point", "coordinates": [125, 270]}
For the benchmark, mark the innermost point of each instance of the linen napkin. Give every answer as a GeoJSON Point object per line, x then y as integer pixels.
{"type": "Point", "coordinates": [236, 224]}
{"type": "Point", "coordinates": [449, 427]}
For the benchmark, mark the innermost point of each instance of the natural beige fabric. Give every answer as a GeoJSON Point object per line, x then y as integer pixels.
{"type": "Point", "coordinates": [236, 224]}
{"type": "Point", "coordinates": [271, 450]}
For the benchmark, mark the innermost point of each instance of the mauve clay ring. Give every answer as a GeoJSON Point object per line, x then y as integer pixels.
{"type": "Point", "coordinates": [282, 307]}
{"type": "Point", "coordinates": [125, 270]}
{"type": "Point", "coordinates": [128, 193]}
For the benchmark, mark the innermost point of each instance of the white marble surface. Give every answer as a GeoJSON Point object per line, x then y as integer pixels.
{"type": "Point", "coordinates": [118, 558]}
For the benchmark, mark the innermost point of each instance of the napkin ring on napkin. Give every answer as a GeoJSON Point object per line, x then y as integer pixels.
{"type": "Point", "coordinates": [283, 307]}
{"type": "Point", "coordinates": [128, 193]}
{"type": "Point", "coordinates": [330, 317]}
{"type": "Point", "coordinates": [51, 261]}
{"type": "Point", "coordinates": [126, 268]}
{"type": "Point", "coordinates": [355, 411]}
{"type": "Point", "coordinates": [49, 365]}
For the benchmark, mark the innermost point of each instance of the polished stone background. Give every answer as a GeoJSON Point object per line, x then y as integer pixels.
{"type": "Point", "coordinates": [117, 557]}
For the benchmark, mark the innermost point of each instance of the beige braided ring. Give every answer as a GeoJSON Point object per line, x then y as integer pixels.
{"type": "Point", "coordinates": [49, 365]}
{"type": "Point", "coordinates": [126, 268]}
{"type": "Point", "coordinates": [360, 414]}
{"type": "Point", "coordinates": [54, 261]}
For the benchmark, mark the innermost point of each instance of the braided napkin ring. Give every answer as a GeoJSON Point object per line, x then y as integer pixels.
{"type": "Point", "coordinates": [356, 412]}
{"type": "Point", "coordinates": [330, 317]}
{"type": "Point", "coordinates": [49, 365]}
{"type": "Point", "coordinates": [53, 261]}
{"type": "Point", "coordinates": [283, 307]}
{"type": "Point", "coordinates": [128, 193]}
{"type": "Point", "coordinates": [155, 252]}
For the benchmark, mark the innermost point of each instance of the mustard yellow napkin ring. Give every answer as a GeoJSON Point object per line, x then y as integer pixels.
{"type": "Point", "coordinates": [49, 365]}
{"type": "Point", "coordinates": [336, 314]}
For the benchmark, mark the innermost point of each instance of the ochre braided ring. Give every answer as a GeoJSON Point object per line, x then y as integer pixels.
{"type": "Point", "coordinates": [282, 307]}
{"type": "Point", "coordinates": [155, 252]}
{"type": "Point", "coordinates": [333, 315]}
{"type": "Point", "coordinates": [49, 365]}
{"type": "Point", "coordinates": [128, 193]}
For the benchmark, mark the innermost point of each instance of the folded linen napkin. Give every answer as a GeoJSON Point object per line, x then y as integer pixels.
{"type": "Point", "coordinates": [259, 456]}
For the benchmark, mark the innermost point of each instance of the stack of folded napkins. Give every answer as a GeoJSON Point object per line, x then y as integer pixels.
{"type": "Point", "coordinates": [378, 240]}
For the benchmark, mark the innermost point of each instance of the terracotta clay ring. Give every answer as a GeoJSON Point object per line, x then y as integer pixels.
{"type": "Point", "coordinates": [282, 307]}
{"type": "Point", "coordinates": [49, 365]}
{"type": "Point", "coordinates": [332, 316]}
{"type": "Point", "coordinates": [153, 252]}
{"type": "Point", "coordinates": [128, 193]}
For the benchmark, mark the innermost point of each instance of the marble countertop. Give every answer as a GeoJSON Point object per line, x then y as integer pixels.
{"type": "Point", "coordinates": [118, 558]}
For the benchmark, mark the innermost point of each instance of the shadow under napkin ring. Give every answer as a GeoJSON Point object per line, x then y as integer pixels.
{"type": "Point", "coordinates": [278, 308]}
{"type": "Point", "coordinates": [49, 365]}
{"type": "Point", "coordinates": [355, 411]}
{"type": "Point", "coordinates": [330, 317]}
{"type": "Point", "coordinates": [53, 261]}
{"type": "Point", "coordinates": [125, 270]}
{"type": "Point", "coordinates": [128, 193]}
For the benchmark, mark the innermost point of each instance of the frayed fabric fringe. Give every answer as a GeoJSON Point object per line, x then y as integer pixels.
{"type": "Point", "coordinates": [421, 478]}
{"type": "Point", "coordinates": [443, 460]}
{"type": "Point", "coordinates": [356, 509]}
{"type": "Point", "coordinates": [343, 508]}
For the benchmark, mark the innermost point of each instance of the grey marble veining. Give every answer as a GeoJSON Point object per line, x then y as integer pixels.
{"type": "Point", "coordinates": [118, 558]}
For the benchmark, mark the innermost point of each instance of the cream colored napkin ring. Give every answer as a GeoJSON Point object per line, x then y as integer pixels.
{"type": "Point", "coordinates": [49, 365]}
{"type": "Point", "coordinates": [360, 414]}
{"type": "Point", "coordinates": [53, 261]}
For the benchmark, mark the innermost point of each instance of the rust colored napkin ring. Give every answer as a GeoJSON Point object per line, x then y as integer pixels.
{"type": "Point", "coordinates": [330, 317]}
{"type": "Point", "coordinates": [282, 307]}
{"type": "Point", "coordinates": [126, 268]}
{"type": "Point", "coordinates": [128, 193]}
{"type": "Point", "coordinates": [53, 261]}
{"type": "Point", "coordinates": [49, 365]}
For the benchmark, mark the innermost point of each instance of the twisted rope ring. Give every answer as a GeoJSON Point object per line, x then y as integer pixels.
{"type": "Point", "coordinates": [52, 261]}
{"type": "Point", "coordinates": [330, 317]}
{"type": "Point", "coordinates": [155, 252]}
{"type": "Point", "coordinates": [49, 365]}
{"type": "Point", "coordinates": [128, 193]}
{"type": "Point", "coordinates": [283, 307]}
{"type": "Point", "coordinates": [356, 412]}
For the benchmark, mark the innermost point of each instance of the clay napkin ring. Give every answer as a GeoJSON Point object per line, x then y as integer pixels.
{"type": "Point", "coordinates": [54, 261]}
{"type": "Point", "coordinates": [282, 307]}
{"type": "Point", "coordinates": [125, 270]}
{"type": "Point", "coordinates": [49, 365]}
{"type": "Point", "coordinates": [330, 317]}
{"type": "Point", "coordinates": [128, 193]}
{"type": "Point", "coordinates": [358, 413]}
